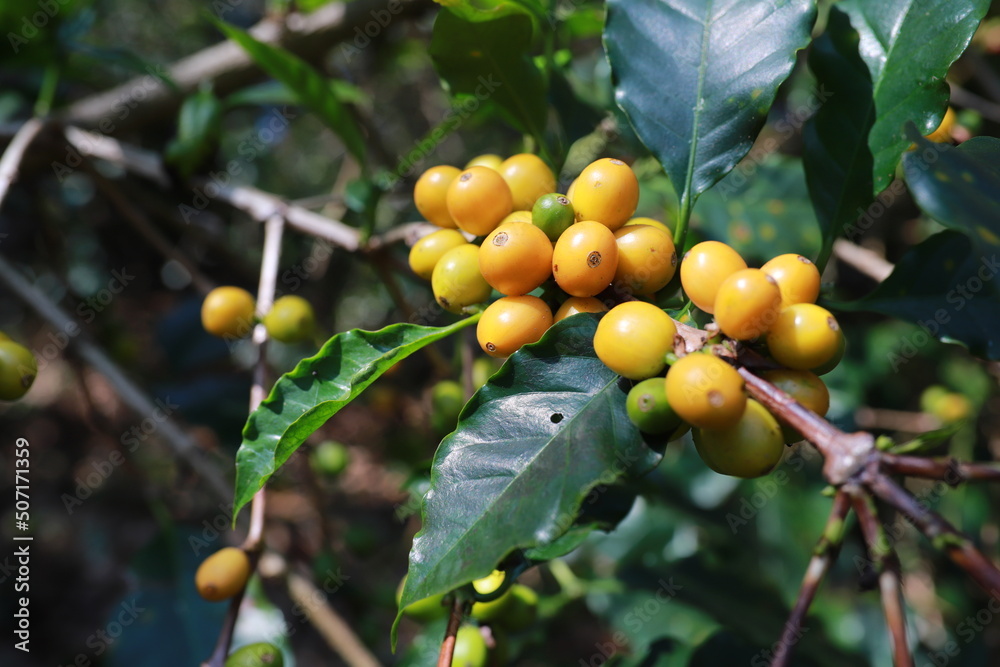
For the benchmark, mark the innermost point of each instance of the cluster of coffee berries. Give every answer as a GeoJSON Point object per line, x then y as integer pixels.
{"type": "Point", "coordinates": [18, 368]}
{"type": "Point", "coordinates": [231, 313]}
{"type": "Point", "coordinates": [770, 307]}
{"type": "Point", "coordinates": [483, 639]}
{"type": "Point", "coordinates": [525, 236]}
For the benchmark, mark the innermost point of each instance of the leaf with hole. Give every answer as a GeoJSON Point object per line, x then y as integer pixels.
{"type": "Point", "coordinates": [546, 429]}
{"type": "Point", "coordinates": [316, 389]}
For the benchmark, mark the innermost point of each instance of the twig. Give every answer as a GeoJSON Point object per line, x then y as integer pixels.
{"type": "Point", "coordinates": [448, 644]}
{"type": "Point", "coordinates": [895, 420]}
{"type": "Point", "coordinates": [328, 623]}
{"type": "Point", "coordinates": [253, 543]}
{"type": "Point", "coordinates": [949, 470]}
{"type": "Point", "coordinates": [130, 393]}
{"type": "Point", "coordinates": [225, 64]}
{"type": "Point", "coordinates": [10, 163]}
{"type": "Point", "coordinates": [887, 566]}
{"type": "Point", "coordinates": [845, 453]}
{"type": "Point", "coordinates": [941, 533]}
{"type": "Point", "coordinates": [824, 555]}
{"type": "Point", "coordinates": [147, 164]}
{"type": "Point", "coordinates": [864, 260]}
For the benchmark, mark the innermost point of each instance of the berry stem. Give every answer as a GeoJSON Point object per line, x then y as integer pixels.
{"type": "Point", "coordinates": [941, 533]}
{"type": "Point", "coordinates": [948, 470]}
{"type": "Point", "coordinates": [448, 645]}
{"type": "Point", "coordinates": [826, 552]}
{"type": "Point", "coordinates": [887, 565]}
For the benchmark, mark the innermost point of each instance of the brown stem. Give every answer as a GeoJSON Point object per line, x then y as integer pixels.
{"type": "Point", "coordinates": [222, 644]}
{"type": "Point", "coordinates": [844, 453]}
{"type": "Point", "coordinates": [448, 645]}
{"type": "Point", "coordinates": [948, 470]}
{"type": "Point", "coordinates": [941, 533]}
{"type": "Point", "coordinates": [887, 566]}
{"type": "Point", "coordinates": [10, 163]}
{"type": "Point", "coordinates": [824, 555]}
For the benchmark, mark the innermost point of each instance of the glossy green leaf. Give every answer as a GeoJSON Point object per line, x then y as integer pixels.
{"type": "Point", "coordinates": [312, 88]}
{"type": "Point", "coordinates": [698, 77]}
{"type": "Point", "coordinates": [761, 214]}
{"type": "Point", "coordinates": [316, 389]}
{"type": "Point", "coordinates": [908, 46]}
{"type": "Point", "coordinates": [958, 187]}
{"type": "Point", "coordinates": [929, 440]}
{"type": "Point", "coordinates": [488, 61]}
{"type": "Point", "coordinates": [838, 162]}
{"type": "Point", "coordinates": [198, 129]}
{"type": "Point", "coordinates": [546, 429]}
{"type": "Point", "coordinates": [948, 287]}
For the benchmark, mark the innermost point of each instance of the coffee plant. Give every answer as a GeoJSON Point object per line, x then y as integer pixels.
{"type": "Point", "coordinates": [678, 280]}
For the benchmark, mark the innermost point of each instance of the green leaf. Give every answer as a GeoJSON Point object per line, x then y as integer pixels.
{"type": "Point", "coordinates": [316, 389]}
{"type": "Point", "coordinates": [949, 289]}
{"type": "Point", "coordinates": [762, 215]}
{"type": "Point", "coordinates": [198, 129]}
{"type": "Point", "coordinates": [958, 187]}
{"type": "Point", "coordinates": [489, 60]}
{"type": "Point", "coordinates": [546, 429]}
{"type": "Point", "coordinates": [908, 46]}
{"type": "Point", "coordinates": [930, 439]}
{"type": "Point", "coordinates": [314, 90]}
{"type": "Point", "coordinates": [837, 159]}
{"type": "Point", "coordinates": [698, 77]}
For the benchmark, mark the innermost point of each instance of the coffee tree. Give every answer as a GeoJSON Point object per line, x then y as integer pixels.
{"type": "Point", "coordinates": [678, 252]}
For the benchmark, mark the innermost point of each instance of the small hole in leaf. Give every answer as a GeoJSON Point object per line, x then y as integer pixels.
{"type": "Point", "coordinates": [556, 417]}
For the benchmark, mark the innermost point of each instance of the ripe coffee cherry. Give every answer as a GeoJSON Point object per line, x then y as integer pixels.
{"type": "Point", "coordinates": [634, 338]}
{"type": "Point", "coordinates": [517, 216]}
{"type": "Point", "coordinates": [747, 304]}
{"type": "Point", "coordinates": [797, 277]}
{"type": "Point", "coordinates": [223, 574]}
{"type": "Point", "coordinates": [646, 258]}
{"type": "Point", "coordinates": [703, 269]}
{"type": "Point", "coordinates": [422, 610]}
{"type": "Point", "coordinates": [18, 369]}
{"type": "Point", "coordinates": [579, 304]}
{"type": "Point", "coordinates": [649, 409]}
{"type": "Point", "coordinates": [515, 258]}
{"type": "Point", "coordinates": [652, 223]}
{"type": "Point", "coordinates": [805, 336]}
{"type": "Point", "coordinates": [943, 131]}
{"type": "Point", "coordinates": [528, 177]}
{"type": "Point", "coordinates": [706, 391]}
{"type": "Point", "coordinates": [291, 320]}
{"type": "Point", "coordinates": [261, 654]}
{"type": "Point", "coordinates": [553, 214]}
{"type": "Point", "coordinates": [585, 258]}
{"type": "Point", "coordinates": [456, 280]}
{"type": "Point", "coordinates": [470, 648]}
{"type": "Point", "coordinates": [606, 191]}
{"type": "Point", "coordinates": [511, 322]}
{"type": "Point", "coordinates": [426, 252]}
{"type": "Point", "coordinates": [491, 160]}
{"type": "Point", "coordinates": [571, 191]}
{"type": "Point", "coordinates": [478, 200]}
{"type": "Point", "coordinates": [946, 405]}
{"type": "Point", "coordinates": [804, 387]}
{"type": "Point", "coordinates": [431, 192]}
{"type": "Point", "coordinates": [228, 312]}
{"type": "Point", "coordinates": [749, 448]}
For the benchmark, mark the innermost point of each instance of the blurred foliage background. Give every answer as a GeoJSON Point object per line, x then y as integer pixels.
{"type": "Point", "coordinates": [703, 568]}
